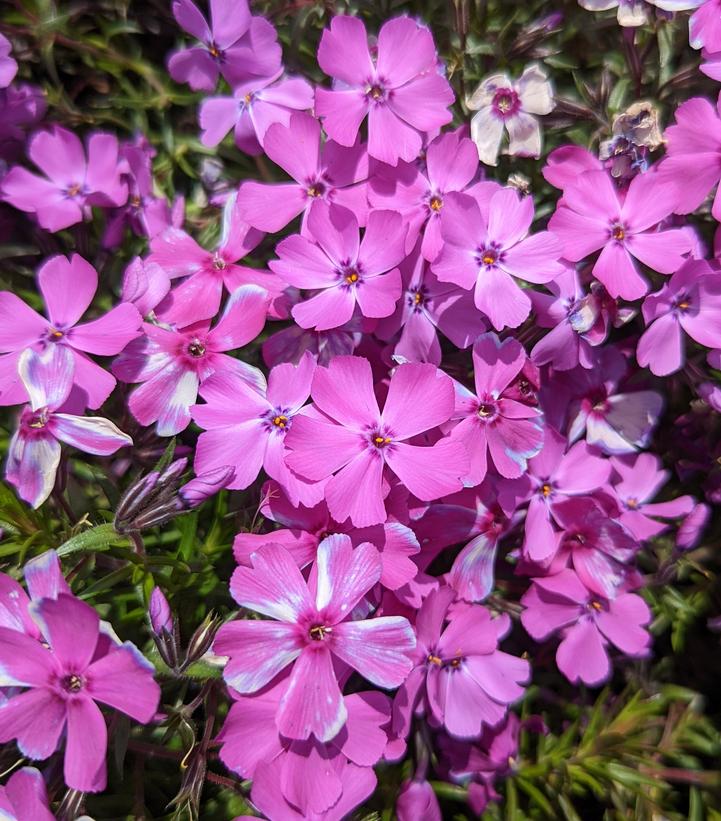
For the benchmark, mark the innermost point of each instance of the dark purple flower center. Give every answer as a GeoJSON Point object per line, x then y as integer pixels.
{"type": "Point", "coordinates": [487, 411]}
{"type": "Point", "coordinates": [219, 263]}
{"type": "Point", "coordinates": [196, 348]}
{"type": "Point", "coordinates": [417, 298]}
{"type": "Point", "coordinates": [318, 632]}
{"type": "Point", "coordinates": [316, 189]}
{"type": "Point", "coordinates": [54, 334]}
{"type": "Point", "coordinates": [489, 255]}
{"type": "Point", "coordinates": [618, 232]}
{"type": "Point", "coordinates": [351, 274]}
{"type": "Point", "coordinates": [546, 490]}
{"type": "Point", "coordinates": [506, 102]}
{"type": "Point", "coordinates": [435, 203]}
{"type": "Point", "coordinates": [215, 52]}
{"type": "Point", "coordinates": [74, 189]}
{"type": "Point", "coordinates": [380, 440]}
{"type": "Point", "coordinates": [135, 201]}
{"type": "Point", "coordinates": [72, 683]}
{"type": "Point", "coordinates": [376, 92]}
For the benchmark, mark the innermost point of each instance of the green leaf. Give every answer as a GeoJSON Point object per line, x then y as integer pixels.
{"type": "Point", "coordinates": [96, 539]}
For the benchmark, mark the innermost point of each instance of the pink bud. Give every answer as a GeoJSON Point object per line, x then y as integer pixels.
{"type": "Point", "coordinates": [197, 490]}
{"type": "Point", "coordinates": [417, 802]}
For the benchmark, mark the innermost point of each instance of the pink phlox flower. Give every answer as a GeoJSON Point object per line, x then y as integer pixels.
{"type": "Point", "coordinates": [491, 422]}
{"type": "Point", "coordinates": [34, 450]}
{"type": "Point", "coordinates": [460, 679]}
{"type": "Point", "coordinates": [310, 771]}
{"type": "Point", "coordinates": [172, 363]}
{"type": "Point", "coordinates": [305, 527]}
{"type": "Point", "coordinates": [25, 797]}
{"type": "Point", "coordinates": [312, 629]}
{"type": "Point", "coordinates": [68, 287]}
{"type": "Point", "coordinates": [8, 66]}
{"type": "Point", "coordinates": [595, 215]}
{"type": "Point", "coordinates": [451, 164]}
{"type": "Point", "coordinates": [565, 164]}
{"type": "Point", "coordinates": [588, 624]}
{"type": "Point", "coordinates": [637, 481]}
{"type": "Point", "coordinates": [345, 436]}
{"type": "Point", "coordinates": [236, 45]}
{"type": "Point", "coordinates": [64, 683]}
{"type": "Point", "coordinates": [502, 104]}
{"type": "Point", "coordinates": [591, 402]}
{"type": "Point", "coordinates": [347, 272]}
{"type": "Point", "coordinates": [255, 105]}
{"type": "Point", "coordinates": [400, 90]}
{"type": "Point", "coordinates": [579, 320]}
{"type": "Point", "coordinates": [76, 178]}
{"type": "Point", "coordinates": [321, 172]}
{"type": "Point", "coordinates": [689, 302]}
{"type": "Point", "coordinates": [245, 425]}
{"type": "Point", "coordinates": [704, 27]}
{"type": "Point", "coordinates": [427, 306]}
{"type": "Point", "coordinates": [556, 473]}
{"type": "Point", "coordinates": [145, 285]}
{"type": "Point", "coordinates": [207, 273]}
{"type": "Point", "coordinates": [599, 548]}
{"type": "Point", "coordinates": [485, 251]}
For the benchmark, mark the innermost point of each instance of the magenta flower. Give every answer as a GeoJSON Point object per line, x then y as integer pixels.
{"type": "Point", "coordinates": [34, 450]}
{"type": "Point", "coordinates": [246, 425]}
{"type": "Point", "coordinates": [208, 272]}
{"type": "Point", "coordinates": [345, 270]}
{"type": "Point", "coordinates": [75, 178]}
{"type": "Point", "coordinates": [400, 91]}
{"type": "Point", "coordinates": [704, 27]}
{"type": "Point", "coordinates": [491, 420]}
{"type": "Point", "coordinates": [486, 247]}
{"type": "Point", "coordinates": [305, 528]}
{"type": "Point", "coordinates": [8, 66]}
{"type": "Point", "coordinates": [310, 772]}
{"type": "Point", "coordinates": [426, 307]}
{"type": "Point", "coordinates": [312, 633]}
{"type": "Point", "coordinates": [512, 106]}
{"type": "Point", "coordinates": [64, 685]}
{"type": "Point", "coordinates": [639, 478]}
{"type": "Point", "coordinates": [172, 364]}
{"type": "Point", "coordinates": [68, 287]}
{"type": "Point", "coordinates": [460, 677]}
{"type": "Point", "coordinates": [690, 301]}
{"type": "Point", "coordinates": [326, 172]}
{"type": "Point", "coordinates": [588, 624]}
{"type": "Point", "coordinates": [25, 797]}
{"type": "Point", "coordinates": [579, 321]}
{"type": "Point", "coordinates": [417, 802]}
{"type": "Point", "coordinates": [235, 44]}
{"type": "Point", "coordinates": [347, 437]}
{"type": "Point", "coordinates": [599, 548]}
{"type": "Point", "coordinates": [555, 475]}
{"type": "Point", "coordinates": [451, 163]}
{"type": "Point", "coordinates": [255, 105]}
{"type": "Point", "coordinates": [593, 215]}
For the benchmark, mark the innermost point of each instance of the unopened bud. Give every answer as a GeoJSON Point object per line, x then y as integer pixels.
{"type": "Point", "coordinates": [202, 639]}
{"type": "Point", "coordinates": [197, 490]}
{"type": "Point", "coordinates": [151, 500]}
{"type": "Point", "coordinates": [161, 618]}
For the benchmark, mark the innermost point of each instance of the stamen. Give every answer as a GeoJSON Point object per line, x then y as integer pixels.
{"type": "Point", "coordinates": [456, 663]}
{"type": "Point", "coordinates": [375, 91]}
{"type": "Point", "coordinates": [318, 632]}
{"type": "Point", "coordinates": [632, 502]}
{"type": "Point", "coordinates": [135, 201]}
{"type": "Point", "coordinates": [596, 605]}
{"type": "Point", "coordinates": [485, 410]}
{"type": "Point", "coordinates": [214, 51]}
{"type": "Point", "coordinates": [72, 683]}
{"type": "Point", "coordinates": [280, 421]}
{"type": "Point", "coordinates": [74, 189]}
{"type": "Point", "coordinates": [196, 348]}
{"type": "Point", "coordinates": [56, 334]}
{"type": "Point", "coordinates": [248, 99]}
{"type": "Point", "coordinates": [381, 441]}
{"type": "Point", "coordinates": [547, 490]}
{"type": "Point", "coordinates": [436, 203]}
{"type": "Point", "coordinates": [352, 277]}
{"type": "Point", "coordinates": [219, 263]}
{"type": "Point", "coordinates": [434, 660]}
{"type": "Point", "coordinates": [618, 232]}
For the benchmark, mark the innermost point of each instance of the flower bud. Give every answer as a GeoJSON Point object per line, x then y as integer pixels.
{"type": "Point", "coordinates": [161, 618]}
{"type": "Point", "coordinates": [151, 500]}
{"type": "Point", "coordinates": [197, 490]}
{"type": "Point", "coordinates": [202, 639]}
{"type": "Point", "coordinates": [417, 802]}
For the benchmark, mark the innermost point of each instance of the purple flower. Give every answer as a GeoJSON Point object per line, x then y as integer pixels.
{"type": "Point", "coordinates": [246, 425]}
{"type": "Point", "coordinates": [400, 91]}
{"type": "Point", "coordinates": [21, 106]}
{"type": "Point", "coordinates": [427, 306]}
{"type": "Point", "coordinates": [305, 528]}
{"type": "Point", "coordinates": [209, 272]}
{"type": "Point", "coordinates": [326, 172]}
{"type": "Point", "coordinates": [491, 420]}
{"type": "Point", "coordinates": [8, 66]}
{"type": "Point", "coordinates": [65, 682]}
{"type": "Point", "coordinates": [503, 104]}
{"type": "Point", "coordinates": [345, 435]}
{"type": "Point", "coordinates": [486, 245]}
{"type": "Point", "coordinates": [638, 480]}
{"type": "Point", "coordinates": [557, 474]}
{"type": "Point", "coordinates": [417, 802]}
{"type": "Point", "coordinates": [309, 774]}
{"type": "Point", "coordinates": [145, 285]}
{"type": "Point", "coordinates": [172, 364]}
{"type": "Point", "coordinates": [460, 676]}
{"type": "Point", "coordinates": [704, 27]}
{"type": "Point", "coordinates": [588, 623]}
{"type": "Point", "coordinates": [594, 215]}
{"type": "Point", "coordinates": [451, 163]}
{"type": "Point", "coordinates": [255, 105]}
{"type": "Point", "coordinates": [205, 485]}
{"type": "Point", "coordinates": [690, 301]}
{"type": "Point", "coordinates": [25, 797]}
{"type": "Point", "coordinates": [75, 178]}
{"type": "Point", "coordinates": [235, 44]}
{"type": "Point", "coordinates": [68, 287]}
{"type": "Point", "coordinates": [344, 270]}
{"type": "Point", "coordinates": [34, 450]}
{"type": "Point", "coordinates": [310, 632]}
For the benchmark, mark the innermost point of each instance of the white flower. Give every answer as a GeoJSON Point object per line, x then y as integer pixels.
{"type": "Point", "coordinates": [502, 103]}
